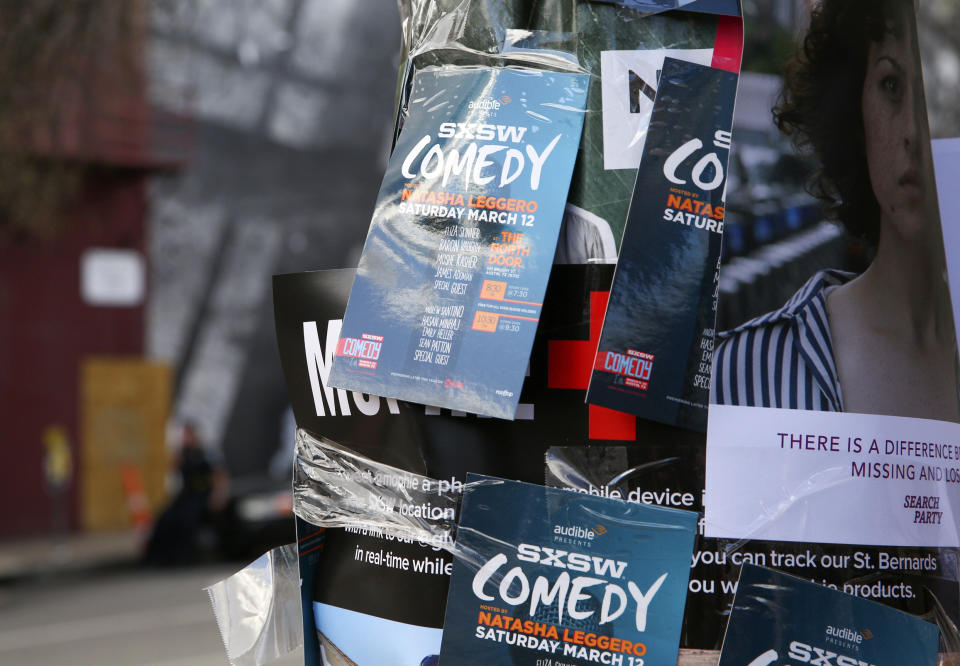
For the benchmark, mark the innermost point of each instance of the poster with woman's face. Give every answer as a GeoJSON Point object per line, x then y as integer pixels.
{"type": "Point", "coordinates": [835, 415]}
{"type": "Point", "coordinates": [848, 124]}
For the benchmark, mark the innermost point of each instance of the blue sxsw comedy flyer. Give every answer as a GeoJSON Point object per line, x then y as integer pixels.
{"type": "Point", "coordinates": [655, 351]}
{"type": "Point", "coordinates": [454, 271]}
{"type": "Point", "coordinates": [781, 619]}
{"type": "Point", "coordinates": [550, 577]}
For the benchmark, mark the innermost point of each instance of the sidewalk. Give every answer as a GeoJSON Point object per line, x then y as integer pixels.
{"type": "Point", "coordinates": [38, 556]}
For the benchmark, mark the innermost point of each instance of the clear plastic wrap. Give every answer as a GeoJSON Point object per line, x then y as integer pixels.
{"type": "Point", "coordinates": [457, 33]}
{"type": "Point", "coordinates": [258, 608]}
{"type": "Point", "coordinates": [619, 39]}
{"type": "Point", "coordinates": [335, 487]}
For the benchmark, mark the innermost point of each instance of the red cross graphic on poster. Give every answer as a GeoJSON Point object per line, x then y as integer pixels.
{"type": "Point", "coordinates": [569, 363]}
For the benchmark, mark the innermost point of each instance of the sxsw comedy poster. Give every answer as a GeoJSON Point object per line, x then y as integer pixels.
{"type": "Point", "coordinates": [782, 619]}
{"type": "Point", "coordinates": [655, 352]}
{"type": "Point", "coordinates": [452, 278]}
{"type": "Point", "coordinates": [545, 576]}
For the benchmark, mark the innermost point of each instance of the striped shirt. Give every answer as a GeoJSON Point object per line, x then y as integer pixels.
{"type": "Point", "coordinates": [783, 358]}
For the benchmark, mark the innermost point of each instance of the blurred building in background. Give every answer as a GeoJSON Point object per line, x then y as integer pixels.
{"type": "Point", "coordinates": [158, 163]}
{"type": "Point", "coordinates": [78, 143]}
{"type": "Point", "coordinates": [292, 102]}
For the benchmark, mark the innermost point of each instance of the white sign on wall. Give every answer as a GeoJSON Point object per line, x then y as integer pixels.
{"type": "Point", "coordinates": [112, 277]}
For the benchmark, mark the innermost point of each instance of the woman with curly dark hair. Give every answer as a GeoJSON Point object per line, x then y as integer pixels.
{"type": "Point", "coordinates": [881, 342]}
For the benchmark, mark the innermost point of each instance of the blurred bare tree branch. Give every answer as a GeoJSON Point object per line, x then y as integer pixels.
{"type": "Point", "coordinates": [57, 58]}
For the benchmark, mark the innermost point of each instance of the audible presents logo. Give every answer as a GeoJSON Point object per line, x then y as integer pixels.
{"type": "Point", "coordinates": [487, 103]}
{"type": "Point", "coordinates": [579, 533]}
{"type": "Point", "coordinates": [802, 653]}
{"type": "Point", "coordinates": [847, 636]}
